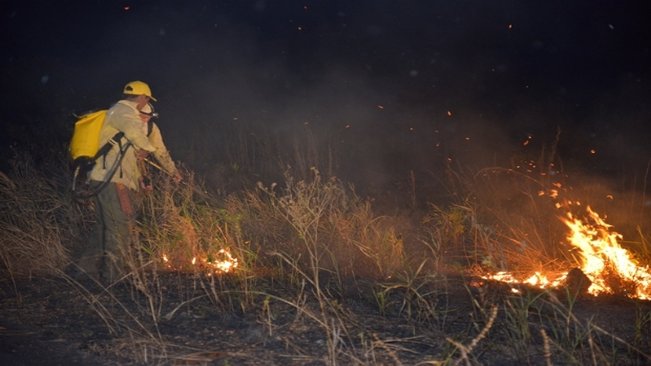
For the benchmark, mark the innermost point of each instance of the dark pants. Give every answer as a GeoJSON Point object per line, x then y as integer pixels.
{"type": "Point", "coordinates": [115, 234]}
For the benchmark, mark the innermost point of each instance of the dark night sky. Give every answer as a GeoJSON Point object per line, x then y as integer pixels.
{"type": "Point", "coordinates": [389, 70]}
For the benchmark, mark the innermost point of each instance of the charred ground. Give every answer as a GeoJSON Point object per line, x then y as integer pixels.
{"type": "Point", "coordinates": [44, 324]}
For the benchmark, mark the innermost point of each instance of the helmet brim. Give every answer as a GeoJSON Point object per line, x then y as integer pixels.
{"type": "Point", "coordinates": [150, 97]}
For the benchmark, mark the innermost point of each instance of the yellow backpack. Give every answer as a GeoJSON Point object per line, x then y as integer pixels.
{"type": "Point", "coordinates": [85, 149]}
{"type": "Point", "coordinates": [85, 137]}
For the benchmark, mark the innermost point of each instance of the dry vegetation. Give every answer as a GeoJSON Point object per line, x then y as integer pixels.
{"type": "Point", "coordinates": [320, 277]}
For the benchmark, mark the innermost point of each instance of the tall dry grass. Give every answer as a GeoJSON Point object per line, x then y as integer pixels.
{"type": "Point", "coordinates": [38, 221]}
{"type": "Point", "coordinates": [305, 244]}
{"type": "Point", "coordinates": [322, 223]}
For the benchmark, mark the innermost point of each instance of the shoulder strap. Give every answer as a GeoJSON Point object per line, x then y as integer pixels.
{"type": "Point", "coordinates": [150, 127]}
{"type": "Point", "coordinates": [107, 146]}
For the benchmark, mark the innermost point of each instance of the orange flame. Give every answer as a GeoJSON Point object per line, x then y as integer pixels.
{"type": "Point", "coordinates": [603, 258]}
{"type": "Point", "coordinates": [225, 264]}
{"type": "Point", "coordinates": [222, 262]}
{"type": "Point", "coordinates": [611, 268]}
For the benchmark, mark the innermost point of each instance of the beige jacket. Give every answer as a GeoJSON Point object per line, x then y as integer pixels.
{"type": "Point", "coordinates": [124, 116]}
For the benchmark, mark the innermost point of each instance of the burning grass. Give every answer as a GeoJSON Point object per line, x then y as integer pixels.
{"type": "Point", "coordinates": [309, 273]}
{"type": "Point", "coordinates": [590, 245]}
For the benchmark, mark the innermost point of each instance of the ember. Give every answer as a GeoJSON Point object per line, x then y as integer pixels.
{"type": "Point", "coordinates": [221, 262]}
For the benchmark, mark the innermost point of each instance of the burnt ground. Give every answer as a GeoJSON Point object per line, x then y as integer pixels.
{"type": "Point", "coordinates": [53, 321]}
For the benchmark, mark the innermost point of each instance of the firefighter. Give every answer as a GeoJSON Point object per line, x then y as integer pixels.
{"type": "Point", "coordinates": [121, 176]}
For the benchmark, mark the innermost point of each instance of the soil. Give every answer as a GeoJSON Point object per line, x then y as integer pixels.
{"type": "Point", "coordinates": [54, 321]}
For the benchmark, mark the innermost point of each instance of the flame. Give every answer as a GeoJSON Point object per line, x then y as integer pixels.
{"type": "Point", "coordinates": [603, 258]}
{"type": "Point", "coordinates": [222, 262]}
{"type": "Point", "coordinates": [226, 264]}
{"type": "Point", "coordinates": [611, 268]}
{"type": "Point", "coordinates": [537, 279]}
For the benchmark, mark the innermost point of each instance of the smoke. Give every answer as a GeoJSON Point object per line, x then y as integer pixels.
{"type": "Point", "coordinates": [378, 92]}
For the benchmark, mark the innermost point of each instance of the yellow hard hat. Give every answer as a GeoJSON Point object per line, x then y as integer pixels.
{"type": "Point", "coordinates": [138, 88]}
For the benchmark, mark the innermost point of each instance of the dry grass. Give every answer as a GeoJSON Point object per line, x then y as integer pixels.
{"type": "Point", "coordinates": [320, 221]}
{"type": "Point", "coordinates": [511, 223]}
{"type": "Point", "coordinates": [38, 222]}
{"type": "Point", "coordinates": [307, 250]}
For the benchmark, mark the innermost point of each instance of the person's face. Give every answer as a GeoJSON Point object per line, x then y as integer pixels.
{"type": "Point", "coordinates": [142, 100]}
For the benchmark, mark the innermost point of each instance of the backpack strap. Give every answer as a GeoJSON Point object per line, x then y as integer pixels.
{"type": "Point", "coordinates": [117, 138]}
{"type": "Point", "coordinates": [95, 191]}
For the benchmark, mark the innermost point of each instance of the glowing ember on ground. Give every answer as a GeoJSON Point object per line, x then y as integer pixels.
{"type": "Point", "coordinates": [225, 263]}
{"type": "Point", "coordinates": [611, 268]}
{"type": "Point", "coordinates": [537, 279]}
{"type": "Point", "coordinates": [222, 262]}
